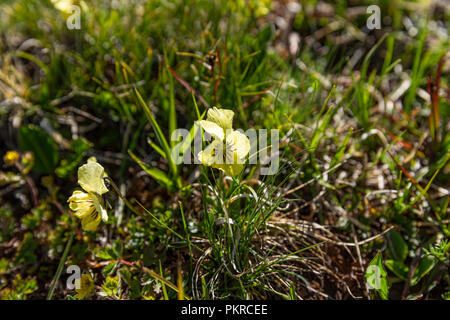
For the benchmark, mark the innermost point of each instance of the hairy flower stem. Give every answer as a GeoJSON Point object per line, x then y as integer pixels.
{"type": "Point", "coordinates": [127, 203]}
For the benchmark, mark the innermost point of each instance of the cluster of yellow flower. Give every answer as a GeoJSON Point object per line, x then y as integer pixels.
{"type": "Point", "coordinates": [227, 152]}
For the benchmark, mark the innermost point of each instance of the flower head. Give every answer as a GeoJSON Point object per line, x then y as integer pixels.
{"type": "Point", "coordinates": [11, 157]}
{"type": "Point", "coordinates": [88, 205]}
{"type": "Point", "coordinates": [230, 147]}
{"type": "Point", "coordinates": [64, 6]}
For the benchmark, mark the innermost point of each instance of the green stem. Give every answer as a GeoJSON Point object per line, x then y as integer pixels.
{"type": "Point", "coordinates": [127, 203]}
{"type": "Point", "coordinates": [60, 266]}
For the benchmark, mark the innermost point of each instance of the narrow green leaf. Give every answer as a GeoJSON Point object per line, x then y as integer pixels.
{"type": "Point", "coordinates": [156, 174]}
{"type": "Point", "coordinates": [156, 148]}
{"type": "Point", "coordinates": [292, 291]}
{"type": "Point", "coordinates": [172, 111]}
{"type": "Point", "coordinates": [161, 139]}
{"type": "Point", "coordinates": [340, 153]}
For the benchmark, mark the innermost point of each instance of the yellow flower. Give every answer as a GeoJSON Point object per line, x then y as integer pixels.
{"type": "Point", "coordinates": [69, 7]}
{"type": "Point", "coordinates": [86, 287]}
{"type": "Point", "coordinates": [11, 157]}
{"type": "Point", "coordinates": [230, 147]}
{"type": "Point", "coordinates": [63, 5]}
{"type": "Point", "coordinates": [27, 161]}
{"type": "Point", "coordinates": [89, 205]}
{"type": "Point", "coordinates": [259, 7]}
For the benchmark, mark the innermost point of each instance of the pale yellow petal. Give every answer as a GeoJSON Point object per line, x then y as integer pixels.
{"type": "Point", "coordinates": [213, 153]}
{"type": "Point", "coordinates": [231, 170]}
{"type": "Point", "coordinates": [81, 203]}
{"type": "Point", "coordinates": [90, 178]}
{"type": "Point", "coordinates": [78, 195]}
{"type": "Point", "coordinates": [63, 5]}
{"type": "Point", "coordinates": [91, 221]}
{"type": "Point", "coordinates": [212, 129]}
{"type": "Point", "coordinates": [222, 117]}
{"type": "Point", "coordinates": [238, 143]}
{"type": "Point", "coordinates": [81, 209]}
{"type": "Point", "coordinates": [91, 159]}
{"type": "Point", "coordinates": [99, 206]}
